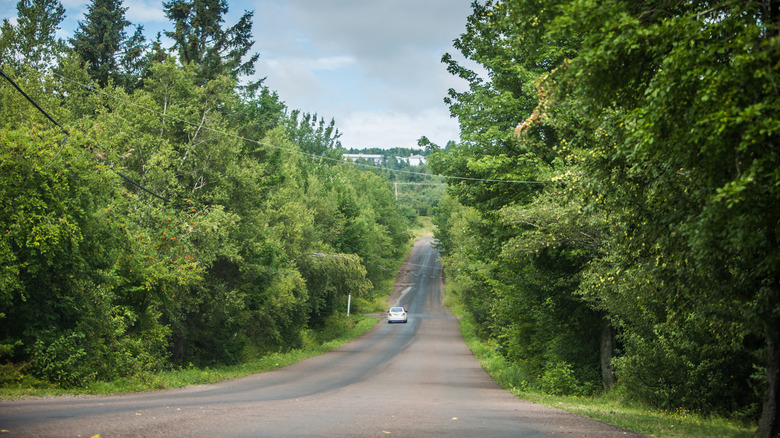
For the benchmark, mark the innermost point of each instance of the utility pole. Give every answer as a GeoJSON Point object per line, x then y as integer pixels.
{"type": "Point", "coordinates": [415, 184]}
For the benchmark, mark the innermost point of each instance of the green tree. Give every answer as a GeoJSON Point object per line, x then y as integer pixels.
{"type": "Point", "coordinates": [155, 235]}
{"type": "Point", "coordinates": [101, 41]}
{"type": "Point", "coordinates": [332, 279]}
{"type": "Point", "coordinates": [374, 228]}
{"type": "Point", "coordinates": [199, 38]}
{"type": "Point", "coordinates": [692, 156]}
{"type": "Point", "coordinates": [509, 40]}
{"type": "Point", "coordinates": [657, 160]}
{"type": "Point", "coordinates": [32, 41]}
{"type": "Point", "coordinates": [313, 136]}
{"type": "Point", "coordinates": [258, 112]}
{"type": "Point", "coordinates": [61, 292]}
{"type": "Point", "coordinates": [523, 274]}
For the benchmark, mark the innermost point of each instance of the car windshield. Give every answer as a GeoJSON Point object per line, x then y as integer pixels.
{"type": "Point", "coordinates": [397, 309]}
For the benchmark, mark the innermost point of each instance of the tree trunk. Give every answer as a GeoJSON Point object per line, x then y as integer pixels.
{"type": "Point", "coordinates": [179, 343]}
{"type": "Point", "coordinates": [607, 350]}
{"type": "Point", "coordinates": [770, 420]}
{"type": "Point", "coordinates": [769, 426]}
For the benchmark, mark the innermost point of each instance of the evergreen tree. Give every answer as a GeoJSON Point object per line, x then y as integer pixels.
{"type": "Point", "coordinates": [258, 112]}
{"type": "Point", "coordinates": [199, 38]}
{"type": "Point", "coordinates": [101, 41]}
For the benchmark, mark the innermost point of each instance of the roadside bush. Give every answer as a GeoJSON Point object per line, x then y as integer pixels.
{"type": "Point", "coordinates": [61, 359]}
{"type": "Point", "coordinates": [558, 379]}
{"type": "Point", "coordinates": [690, 371]}
{"type": "Point", "coordinates": [10, 374]}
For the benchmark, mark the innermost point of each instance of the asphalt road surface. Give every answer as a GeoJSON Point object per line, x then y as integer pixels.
{"type": "Point", "coordinates": [405, 380]}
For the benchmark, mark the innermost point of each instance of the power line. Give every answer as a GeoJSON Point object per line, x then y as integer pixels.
{"type": "Point", "coordinates": [414, 184]}
{"type": "Point", "coordinates": [293, 151]}
{"type": "Point", "coordinates": [420, 184]}
{"type": "Point", "coordinates": [140, 186]}
{"type": "Point", "coordinates": [35, 104]}
{"type": "Point", "coordinates": [238, 137]}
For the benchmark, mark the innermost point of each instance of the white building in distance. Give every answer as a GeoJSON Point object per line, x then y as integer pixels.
{"type": "Point", "coordinates": [376, 159]}
{"type": "Point", "coordinates": [372, 158]}
{"type": "Point", "coordinates": [412, 160]}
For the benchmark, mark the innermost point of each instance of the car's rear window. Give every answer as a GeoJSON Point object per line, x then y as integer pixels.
{"type": "Point", "coordinates": [397, 309]}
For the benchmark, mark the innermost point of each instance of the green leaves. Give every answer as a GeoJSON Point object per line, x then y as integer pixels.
{"type": "Point", "coordinates": [32, 39]}
{"type": "Point", "coordinates": [102, 43]}
{"type": "Point", "coordinates": [334, 277]}
{"type": "Point", "coordinates": [201, 40]}
{"type": "Point", "coordinates": [520, 247]}
{"type": "Point", "coordinates": [195, 254]}
{"type": "Point", "coordinates": [651, 125]}
{"type": "Point", "coordinates": [682, 185]}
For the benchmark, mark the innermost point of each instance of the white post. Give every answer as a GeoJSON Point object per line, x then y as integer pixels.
{"type": "Point", "coordinates": [349, 303]}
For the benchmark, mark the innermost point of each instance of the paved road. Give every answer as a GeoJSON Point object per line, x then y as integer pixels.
{"type": "Point", "coordinates": [404, 380]}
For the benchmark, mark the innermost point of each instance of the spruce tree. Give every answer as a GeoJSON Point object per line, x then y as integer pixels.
{"type": "Point", "coordinates": [101, 41]}
{"type": "Point", "coordinates": [199, 38]}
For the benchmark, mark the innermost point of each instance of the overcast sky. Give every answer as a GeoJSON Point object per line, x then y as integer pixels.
{"type": "Point", "coordinates": [373, 65]}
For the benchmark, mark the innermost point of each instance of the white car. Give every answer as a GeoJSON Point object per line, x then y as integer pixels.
{"type": "Point", "coordinates": [396, 314]}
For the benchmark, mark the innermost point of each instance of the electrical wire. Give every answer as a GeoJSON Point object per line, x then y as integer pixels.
{"type": "Point", "coordinates": [125, 177]}
{"type": "Point", "coordinates": [35, 104]}
{"type": "Point", "coordinates": [292, 151]}
{"type": "Point", "coordinates": [30, 99]}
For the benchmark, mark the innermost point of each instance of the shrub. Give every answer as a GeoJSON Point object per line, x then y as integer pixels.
{"type": "Point", "coordinates": [558, 379]}
{"type": "Point", "coordinates": [61, 359]}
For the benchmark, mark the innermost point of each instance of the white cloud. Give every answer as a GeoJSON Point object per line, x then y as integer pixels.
{"type": "Point", "coordinates": [331, 62]}
{"type": "Point", "coordinates": [386, 129]}
{"type": "Point", "coordinates": [312, 64]}
{"type": "Point", "coordinates": [373, 65]}
{"type": "Point", "coordinates": [145, 12]}
{"type": "Point", "coordinates": [291, 79]}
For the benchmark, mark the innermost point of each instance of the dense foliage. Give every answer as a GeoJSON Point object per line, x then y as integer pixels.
{"type": "Point", "coordinates": [417, 191]}
{"type": "Point", "coordinates": [637, 241]}
{"type": "Point", "coordinates": [176, 217]}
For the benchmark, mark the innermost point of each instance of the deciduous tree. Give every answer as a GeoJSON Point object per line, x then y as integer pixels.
{"type": "Point", "coordinates": [687, 93]}
{"type": "Point", "coordinates": [32, 41]}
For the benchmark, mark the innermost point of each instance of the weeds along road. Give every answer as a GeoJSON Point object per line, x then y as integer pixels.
{"type": "Point", "coordinates": [402, 380]}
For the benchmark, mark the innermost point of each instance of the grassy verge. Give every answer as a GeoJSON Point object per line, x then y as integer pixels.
{"type": "Point", "coordinates": [347, 330]}
{"type": "Point", "coordinates": [610, 407]}
{"type": "Point", "coordinates": [340, 331]}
